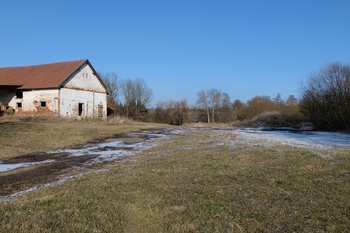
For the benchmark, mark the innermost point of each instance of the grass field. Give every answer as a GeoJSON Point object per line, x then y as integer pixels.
{"type": "Point", "coordinates": [197, 180]}
{"type": "Point", "coordinates": [20, 135]}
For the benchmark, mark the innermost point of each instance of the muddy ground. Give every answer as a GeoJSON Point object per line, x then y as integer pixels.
{"type": "Point", "coordinates": [24, 178]}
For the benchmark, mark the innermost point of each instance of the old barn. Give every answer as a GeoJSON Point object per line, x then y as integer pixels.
{"type": "Point", "coordinates": [67, 89]}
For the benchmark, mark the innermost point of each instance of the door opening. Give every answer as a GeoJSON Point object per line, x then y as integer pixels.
{"type": "Point", "coordinates": [80, 109]}
{"type": "Point", "coordinates": [100, 110]}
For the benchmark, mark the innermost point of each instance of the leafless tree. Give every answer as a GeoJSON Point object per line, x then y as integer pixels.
{"type": "Point", "coordinates": [143, 95]}
{"type": "Point", "coordinates": [226, 110]}
{"type": "Point", "coordinates": [195, 113]}
{"type": "Point", "coordinates": [215, 101]}
{"type": "Point", "coordinates": [277, 99]}
{"type": "Point", "coordinates": [225, 100]}
{"type": "Point", "coordinates": [128, 91]}
{"type": "Point", "coordinates": [326, 96]}
{"type": "Point", "coordinates": [203, 101]}
{"type": "Point", "coordinates": [112, 82]}
{"type": "Point", "coordinates": [236, 106]}
{"type": "Point", "coordinates": [136, 95]}
{"type": "Point", "coordinates": [291, 100]}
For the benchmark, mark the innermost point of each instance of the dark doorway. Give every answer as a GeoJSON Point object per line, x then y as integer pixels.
{"type": "Point", "coordinates": [19, 94]}
{"type": "Point", "coordinates": [80, 109]}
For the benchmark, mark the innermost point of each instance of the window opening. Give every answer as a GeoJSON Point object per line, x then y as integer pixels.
{"type": "Point", "coordinates": [80, 109]}
{"type": "Point", "coordinates": [19, 94]}
{"type": "Point", "coordinates": [43, 104]}
{"type": "Point", "coordinates": [19, 105]}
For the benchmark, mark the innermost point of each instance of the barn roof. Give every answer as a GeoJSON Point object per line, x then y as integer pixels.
{"type": "Point", "coordinates": [40, 76]}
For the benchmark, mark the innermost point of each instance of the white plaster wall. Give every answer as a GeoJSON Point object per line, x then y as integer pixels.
{"type": "Point", "coordinates": [70, 100]}
{"type": "Point", "coordinates": [100, 99]}
{"type": "Point", "coordinates": [85, 79]}
{"type": "Point", "coordinates": [31, 101]}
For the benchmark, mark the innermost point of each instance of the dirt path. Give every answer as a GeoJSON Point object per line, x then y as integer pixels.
{"type": "Point", "coordinates": [35, 169]}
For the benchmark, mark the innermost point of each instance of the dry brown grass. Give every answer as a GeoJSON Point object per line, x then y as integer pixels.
{"type": "Point", "coordinates": [121, 120]}
{"type": "Point", "coordinates": [20, 135]}
{"type": "Point", "coordinates": [242, 124]}
{"type": "Point", "coordinates": [204, 125]}
{"type": "Point", "coordinates": [196, 181]}
{"type": "Point", "coordinates": [270, 119]}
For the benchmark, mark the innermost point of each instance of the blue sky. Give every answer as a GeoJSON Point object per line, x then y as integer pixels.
{"type": "Point", "coordinates": [243, 48]}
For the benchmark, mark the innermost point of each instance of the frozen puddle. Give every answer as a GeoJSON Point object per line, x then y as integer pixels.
{"type": "Point", "coordinates": [297, 138]}
{"type": "Point", "coordinates": [109, 149]}
{"type": "Point", "coordinates": [7, 167]}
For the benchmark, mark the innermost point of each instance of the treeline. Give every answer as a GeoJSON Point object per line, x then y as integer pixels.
{"type": "Point", "coordinates": [325, 101]}
{"type": "Point", "coordinates": [220, 109]}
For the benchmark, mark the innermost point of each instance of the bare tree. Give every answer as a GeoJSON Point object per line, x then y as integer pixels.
{"type": "Point", "coordinates": [203, 100]}
{"type": "Point", "coordinates": [111, 80]}
{"type": "Point", "coordinates": [195, 113]}
{"type": "Point", "coordinates": [326, 96]}
{"type": "Point", "coordinates": [143, 95]}
{"type": "Point", "coordinates": [236, 106]}
{"type": "Point", "coordinates": [128, 91]}
{"type": "Point", "coordinates": [292, 100]}
{"type": "Point", "coordinates": [225, 100]}
{"type": "Point", "coordinates": [136, 96]}
{"type": "Point", "coordinates": [215, 101]}
{"type": "Point", "coordinates": [226, 111]}
{"type": "Point", "coordinates": [277, 99]}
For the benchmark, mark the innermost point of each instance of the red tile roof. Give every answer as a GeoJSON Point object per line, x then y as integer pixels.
{"type": "Point", "coordinates": [39, 76]}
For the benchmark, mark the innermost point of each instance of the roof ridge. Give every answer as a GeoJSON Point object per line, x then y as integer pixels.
{"type": "Point", "coordinates": [40, 76]}
{"type": "Point", "coordinates": [45, 64]}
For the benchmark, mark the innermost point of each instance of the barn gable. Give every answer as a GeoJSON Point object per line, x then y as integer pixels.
{"type": "Point", "coordinates": [85, 78]}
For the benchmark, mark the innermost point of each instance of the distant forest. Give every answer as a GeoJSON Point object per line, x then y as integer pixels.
{"type": "Point", "coordinates": [325, 101]}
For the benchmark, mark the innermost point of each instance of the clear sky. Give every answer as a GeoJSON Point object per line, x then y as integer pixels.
{"type": "Point", "coordinates": [179, 47]}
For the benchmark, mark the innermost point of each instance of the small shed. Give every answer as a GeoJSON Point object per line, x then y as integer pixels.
{"type": "Point", "coordinates": [110, 111]}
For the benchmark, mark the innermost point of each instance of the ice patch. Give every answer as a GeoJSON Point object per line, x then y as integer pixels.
{"type": "Point", "coordinates": [60, 181]}
{"type": "Point", "coordinates": [307, 139]}
{"type": "Point", "coordinates": [8, 167]}
{"type": "Point", "coordinates": [106, 151]}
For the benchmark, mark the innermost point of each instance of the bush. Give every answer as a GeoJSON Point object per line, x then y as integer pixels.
{"type": "Point", "coordinates": [271, 119]}
{"type": "Point", "coordinates": [276, 119]}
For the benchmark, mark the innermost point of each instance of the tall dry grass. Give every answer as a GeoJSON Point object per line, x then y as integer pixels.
{"type": "Point", "coordinates": [122, 120]}
{"type": "Point", "coordinates": [271, 119]}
